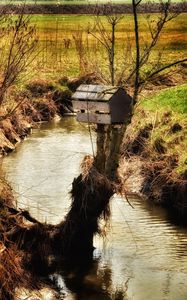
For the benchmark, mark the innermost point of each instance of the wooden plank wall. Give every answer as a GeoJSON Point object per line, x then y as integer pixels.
{"type": "Point", "coordinates": [94, 118]}
{"type": "Point", "coordinates": [90, 105]}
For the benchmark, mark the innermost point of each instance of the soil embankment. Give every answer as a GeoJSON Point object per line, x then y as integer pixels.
{"type": "Point", "coordinates": [40, 101]}
{"type": "Point", "coordinates": [155, 149]}
{"type": "Point", "coordinates": [88, 9]}
{"type": "Point", "coordinates": [154, 177]}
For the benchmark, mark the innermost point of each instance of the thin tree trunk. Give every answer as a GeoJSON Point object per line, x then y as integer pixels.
{"type": "Point", "coordinates": [136, 30]}
{"type": "Point", "coordinates": [112, 160]}
{"type": "Point", "coordinates": [112, 55]}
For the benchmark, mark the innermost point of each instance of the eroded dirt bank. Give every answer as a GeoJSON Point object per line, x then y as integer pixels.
{"type": "Point", "coordinates": [39, 101]}
{"type": "Point", "coordinates": [154, 166]}
{"type": "Point", "coordinates": [153, 181]}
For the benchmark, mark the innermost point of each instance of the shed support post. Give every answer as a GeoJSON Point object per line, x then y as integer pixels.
{"type": "Point", "coordinates": [100, 158]}
{"type": "Point", "coordinates": [109, 140]}
{"type": "Point", "coordinates": [112, 161]}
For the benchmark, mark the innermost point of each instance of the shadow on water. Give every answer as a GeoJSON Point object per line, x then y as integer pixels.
{"type": "Point", "coordinates": [84, 279]}
{"type": "Point", "coordinates": [166, 220]}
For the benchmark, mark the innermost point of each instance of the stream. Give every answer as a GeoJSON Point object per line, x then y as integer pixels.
{"type": "Point", "coordinates": [142, 257]}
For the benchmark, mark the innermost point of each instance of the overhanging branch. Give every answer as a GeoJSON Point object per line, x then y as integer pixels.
{"type": "Point", "coordinates": [162, 69]}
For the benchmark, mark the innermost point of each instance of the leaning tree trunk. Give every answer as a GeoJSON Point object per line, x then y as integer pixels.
{"type": "Point", "coordinates": [109, 141]}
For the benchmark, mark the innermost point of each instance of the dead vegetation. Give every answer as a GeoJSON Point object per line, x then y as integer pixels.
{"type": "Point", "coordinates": [12, 272]}
{"type": "Point", "coordinates": [162, 177]}
{"type": "Point", "coordinates": [89, 78]}
{"type": "Point", "coordinates": [18, 125]}
{"type": "Point", "coordinates": [91, 193]}
{"type": "Point", "coordinates": [37, 104]}
{"type": "Point", "coordinates": [39, 101]}
{"type": "Point", "coordinates": [163, 186]}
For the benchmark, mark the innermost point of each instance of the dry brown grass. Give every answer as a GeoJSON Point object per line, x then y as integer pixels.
{"type": "Point", "coordinates": [11, 271]}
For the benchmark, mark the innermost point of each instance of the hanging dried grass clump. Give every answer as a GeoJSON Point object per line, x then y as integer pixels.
{"type": "Point", "coordinates": [96, 190]}
{"type": "Point", "coordinates": [11, 272]}
{"type": "Point", "coordinates": [91, 193]}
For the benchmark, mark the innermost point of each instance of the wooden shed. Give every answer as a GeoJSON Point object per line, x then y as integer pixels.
{"type": "Point", "coordinates": [101, 104]}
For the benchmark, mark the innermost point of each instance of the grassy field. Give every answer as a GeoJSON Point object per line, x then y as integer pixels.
{"type": "Point", "coordinates": [58, 36]}
{"type": "Point", "coordinates": [66, 49]}
{"type": "Point", "coordinates": [171, 99]}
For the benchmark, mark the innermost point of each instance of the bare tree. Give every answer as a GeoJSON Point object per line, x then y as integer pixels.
{"type": "Point", "coordinates": [143, 55]}
{"type": "Point", "coordinates": [81, 50]}
{"type": "Point", "coordinates": [138, 70]}
{"type": "Point", "coordinates": [17, 41]}
{"type": "Point", "coordinates": [109, 138]}
{"type": "Point", "coordinates": [106, 37]}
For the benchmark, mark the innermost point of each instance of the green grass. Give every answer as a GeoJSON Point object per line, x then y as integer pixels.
{"type": "Point", "coordinates": [173, 99]}
{"type": "Point", "coordinates": [165, 110]}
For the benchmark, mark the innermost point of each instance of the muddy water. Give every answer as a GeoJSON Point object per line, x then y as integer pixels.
{"type": "Point", "coordinates": [143, 257]}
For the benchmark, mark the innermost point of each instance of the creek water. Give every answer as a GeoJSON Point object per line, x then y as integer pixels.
{"type": "Point", "coordinates": [142, 257]}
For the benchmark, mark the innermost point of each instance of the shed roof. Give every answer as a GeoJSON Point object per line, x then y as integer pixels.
{"type": "Point", "coordinates": [94, 92]}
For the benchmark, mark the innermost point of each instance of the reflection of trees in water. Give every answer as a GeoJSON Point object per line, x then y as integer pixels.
{"type": "Point", "coordinates": [166, 285]}
{"type": "Point", "coordinates": [170, 226]}
{"type": "Point", "coordinates": [86, 280]}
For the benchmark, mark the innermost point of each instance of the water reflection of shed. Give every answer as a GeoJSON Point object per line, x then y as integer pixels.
{"type": "Point", "coordinates": [101, 104]}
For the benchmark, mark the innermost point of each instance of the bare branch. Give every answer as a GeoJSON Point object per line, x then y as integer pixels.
{"type": "Point", "coordinates": [20, 44]}
{"type": "Point", "coordinates": [138, 63]}
{"type": "Point", "coordinates": [143, 55]}
{"type": "Point", "coordinates": [107, 38]}
{"type": "Point", "coordinates": [138, 2]}
{"type": "Point", "coordinates": [163, 69]}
